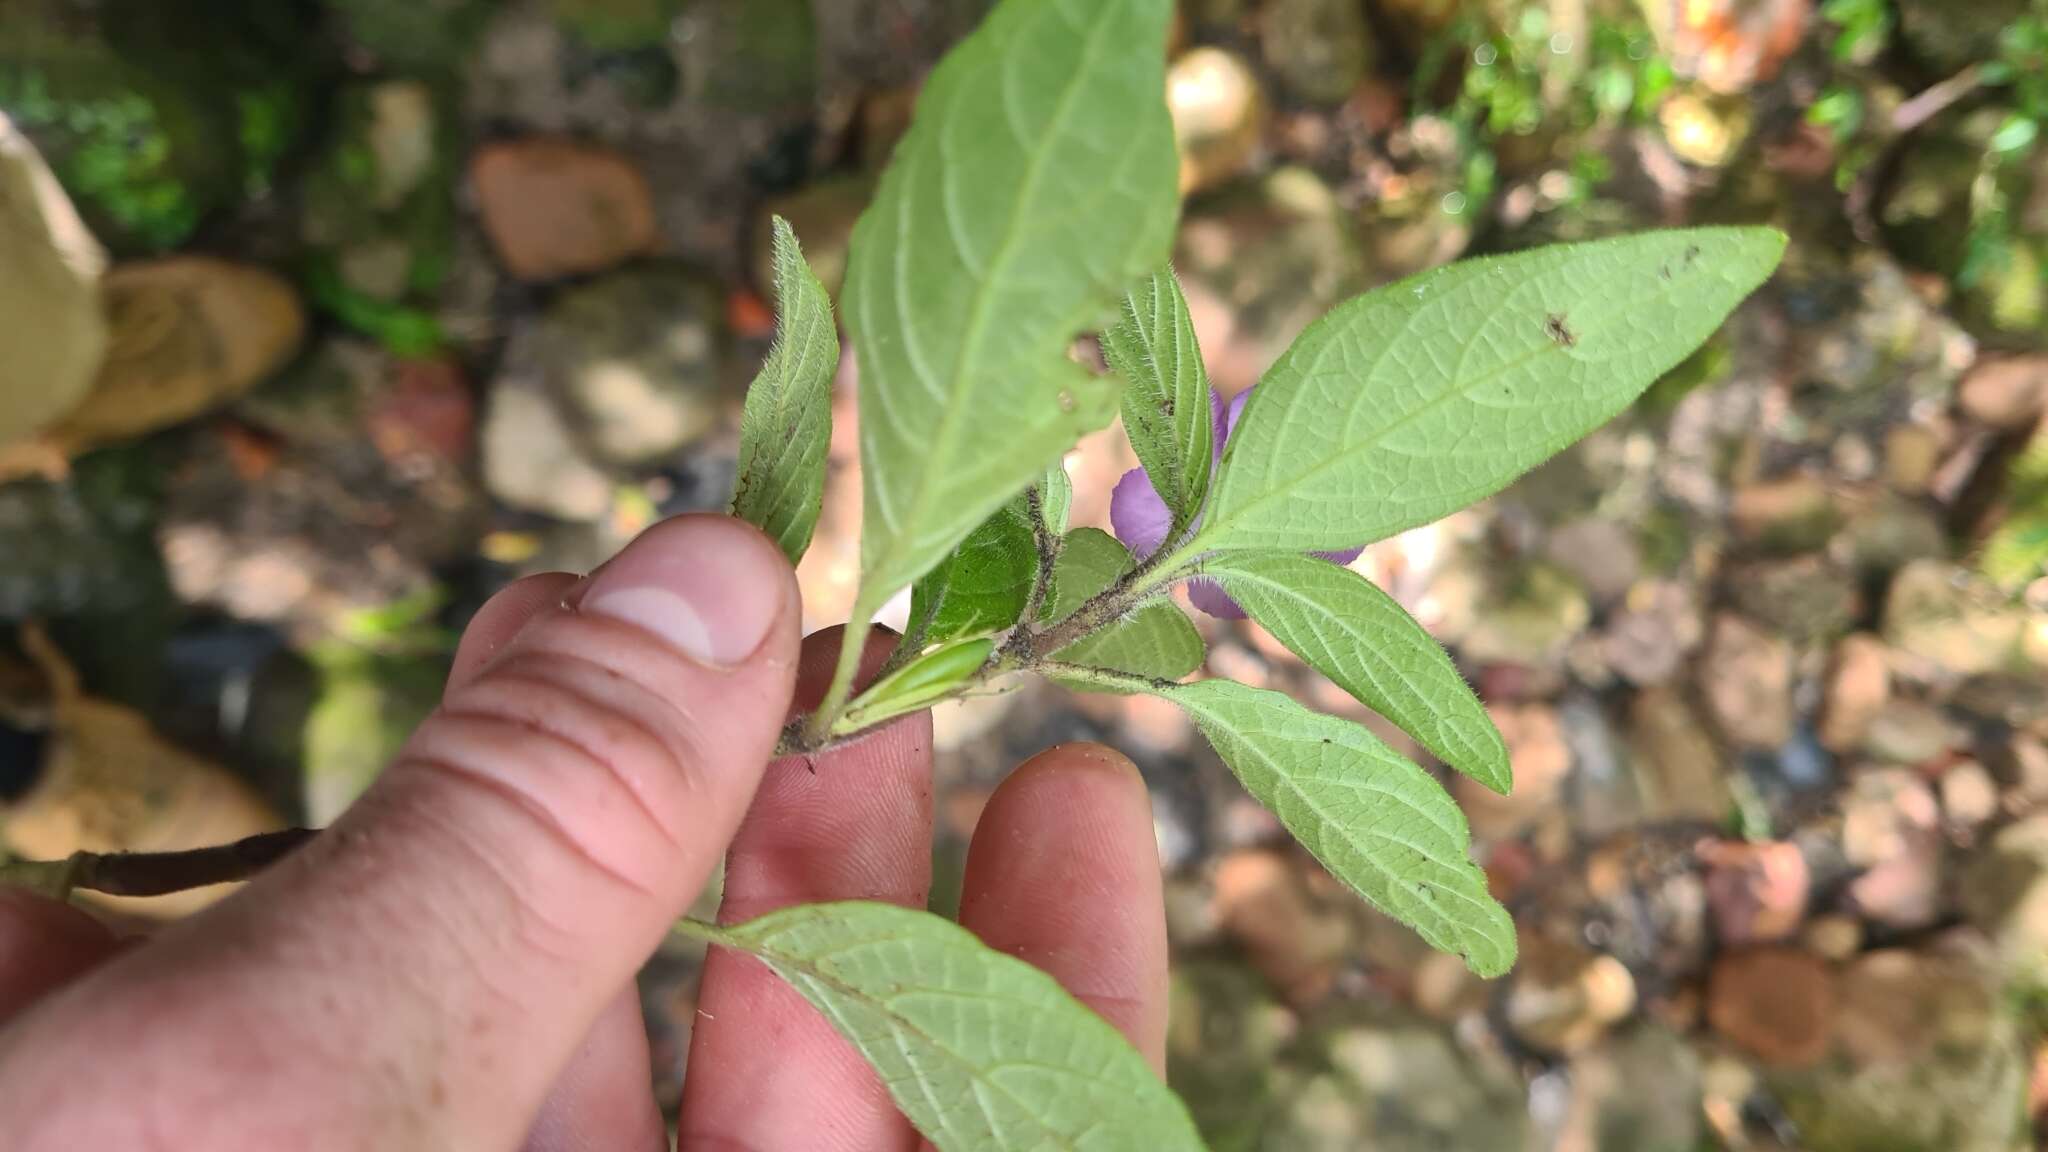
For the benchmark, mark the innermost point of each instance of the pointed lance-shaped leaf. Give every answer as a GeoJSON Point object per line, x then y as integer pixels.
{"type": "Point", "coordinates": [1166, 404]}
{"type": "Point", "coordinates": [1377, 821]}
{"type": "Point", "coordinates": [786, 428]}
{"type": "Point", "coordinates": [1037, 181]}
{"type": "Point", "coordinates": [1343, 626]}
{"type": "Point", "coordinates": [1417, 399]}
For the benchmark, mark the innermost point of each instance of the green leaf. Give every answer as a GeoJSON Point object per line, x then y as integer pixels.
{"type": "Point", "coordinates": [983, 1052]}
{"type": "Point", "coordinates": [1036, 182]}
{"type": "Point", "coordinates": [786, 428]}
{"type": "Point", "coordinates": [1155, 640]}
{"type": "Point", "coordinates": [1055, 500]}
{"type": "Point", "coordinates": [1343, 626]}
{"type": "Point", "coordinates": [926, 680]}
{"type": "Point", "coordinates": [1166, 397]}
{"type": "Point", "coordinates": [1415, 400]}
{"type": "Point", "coordinates": [982, 587]}
{"type": "Point", "coordinates": [1090, 561]}
{"type": "Point", "coordinates": [1378, 822]}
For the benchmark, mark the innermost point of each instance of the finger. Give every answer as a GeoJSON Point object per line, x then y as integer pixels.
{"type": "Point", "coordinates": [501, 618]}
{"type": "Point", "coordinates": [767, 1072]}
{"type": "Point", "coordinates": [43, 944]}
{"type": "Point", "coordinates": [1063, 872]}
{"type": "Point", "coordinates": [420, 974]}
{"type": "Point", "coordinates": [603, 1100]}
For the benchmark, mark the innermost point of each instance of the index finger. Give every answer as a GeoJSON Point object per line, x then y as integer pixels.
{"type": "Point", "coordinates": [767, 1072]}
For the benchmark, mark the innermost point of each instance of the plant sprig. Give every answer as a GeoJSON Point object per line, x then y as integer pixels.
{"type": "Point", "coordinates": [1033, 195]}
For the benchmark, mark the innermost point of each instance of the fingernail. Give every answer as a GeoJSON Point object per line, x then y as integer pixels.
{"type": "Point", "coordinates": [709, 586]}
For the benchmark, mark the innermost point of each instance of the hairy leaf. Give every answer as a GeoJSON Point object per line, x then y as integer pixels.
{"type": "Point", "coordinates": [787, 425]}
{"type": "Point", "coordinates": [1166, 394]}
{"type": "Point", "coordinates": [983, 1052]}
{"type": "Point", "coordinates": [1036, 182]}
{"type": "Point", "coordinates": [1156, 640]}
{"type": "Point", "coordinates": [1376, 821]}
{"type": "Point", "coordinates": [983, 585]}
{"type": "Point", "coordinates": [1055, 499]}
{"type": "Point", "coordinates": [1343, 626]}
{"type": "Point", "coordinates": [923, 682]}
{"type": "Point", "coordinates": [1090, 561]}
{"type": "Point", "coordinates": [1415, 400]}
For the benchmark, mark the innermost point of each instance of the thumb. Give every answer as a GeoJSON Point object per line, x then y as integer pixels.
{"type": "Point", "coordinates": [419, 974]}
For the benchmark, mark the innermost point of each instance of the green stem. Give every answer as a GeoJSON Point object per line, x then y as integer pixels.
{"type": "Point", "coordinates": [1104, 678]}
{"type": "Point", "coordinates": [1098, 611]}
{"type": "Point", "coordinates": [690, 929]}
{"type": "Point", "coordinates": [851, 645]}
{"type": "Point", "coordinates": [1048, 549]}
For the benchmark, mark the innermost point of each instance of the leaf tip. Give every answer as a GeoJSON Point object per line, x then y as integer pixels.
{"type": "Point", "coordinates": [1763, 244]}
{"type": "Point", "coordinates": [1498, 777]}
{"type": "Point", "coordinates": [1491, 967]}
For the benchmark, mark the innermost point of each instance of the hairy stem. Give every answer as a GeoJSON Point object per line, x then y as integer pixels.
{"type": "Point", "coordinates": [1162, 571]}
{"type": "Point", "coordinates": [1105, 678]}
{"type": "Point", "coordinates": [1048, 549]}
{"type": "Point", "coordinates": [156, 873]}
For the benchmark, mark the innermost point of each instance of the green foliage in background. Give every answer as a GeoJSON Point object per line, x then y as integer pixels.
{"type": "Point", "coordinates": [1523, 76]}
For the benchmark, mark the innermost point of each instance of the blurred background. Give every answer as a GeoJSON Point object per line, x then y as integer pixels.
{"type": "Point", "coordinates": [320, 320]}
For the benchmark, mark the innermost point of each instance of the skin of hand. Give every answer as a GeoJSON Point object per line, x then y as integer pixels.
{"type": "Point", "coordinates": [450, 966]}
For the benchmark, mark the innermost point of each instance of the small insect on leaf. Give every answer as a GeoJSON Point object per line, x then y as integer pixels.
{"type": "Point", "coordinates": [1555, 327]}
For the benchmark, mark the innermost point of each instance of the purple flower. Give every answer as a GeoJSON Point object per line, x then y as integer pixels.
{"type": "Point", "coordinates": [1141, 518]}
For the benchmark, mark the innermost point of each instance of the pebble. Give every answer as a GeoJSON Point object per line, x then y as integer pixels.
{"type": "Point", "coordinates": [2005, 896]}
{"type": "Point", "coordinates": [1911, 732]}
{"type": "Point", "coordinates": [1679, 767]}
{"type": "Point", "coordinates": [1219, 116]}
{"type": "Point", "coordinates": [1263, 904]}
{"type": "Point", "coordinates": [1969, 795]}
{"type": "Point", "coordinates": [1835, 937]}
{"type": "Point", "coordinates": [1656, 628]}
{"type": "Point", "coordinates": [1757, 890]}
{"type": "Point", "coordinates": [1563, 999]}
{"type": "Point", "coordinates": [1858, 688]}
{"type": "Point", "coordinates": [2005, 392]}
{"type": "Point", "coordinates": [1599, 552]}
{"type": "Point", "coordinates": [556, 207]}
{"type": "Point", "coordinates": [1790, 514]}
{"type": "Point", "coordinates": [1891, 829]}
{"type": "Point", "coordinates": [1950, 622]}
{"type": "Point", "coordinates": [634, 357]}
{"type": "Point", "coordinates": [1540, 760]}
{"type": "Point", "coordinates": [1777, 1004]}
{"type": "Point", "coordinates": [189, 333]}
{"type": "Point", "coordinates": [52, 329]}
{"type": "Point", "coordinates": [531, 460]}
{"type": "Point", "coordinates": [1912, 455]}
{"type": "Point", "coordinates": [1746, 678]}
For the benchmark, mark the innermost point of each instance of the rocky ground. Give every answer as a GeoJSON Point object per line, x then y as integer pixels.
{"type": "Point", "coordinates": [392, 301]}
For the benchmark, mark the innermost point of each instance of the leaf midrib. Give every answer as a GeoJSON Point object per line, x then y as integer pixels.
{"type": "Point", "coordinates": [952, 413]}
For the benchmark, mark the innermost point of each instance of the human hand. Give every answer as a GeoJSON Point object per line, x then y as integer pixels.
{"type": "Point", "coordinates": [451, 965]}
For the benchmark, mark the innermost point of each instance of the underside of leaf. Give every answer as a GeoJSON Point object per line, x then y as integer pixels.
{"type": "Point", "coordinates": [982, 1051]}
